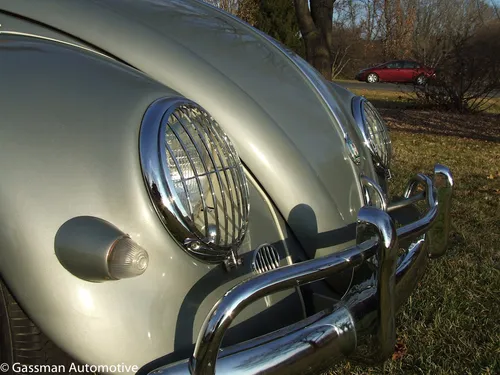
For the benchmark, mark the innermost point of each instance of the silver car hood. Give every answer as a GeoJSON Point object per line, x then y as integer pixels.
{"type": "Point", "coordinates": [288, 133]}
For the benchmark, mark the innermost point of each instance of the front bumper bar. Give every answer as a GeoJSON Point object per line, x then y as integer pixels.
{"type": "Point", "coordinates": [362, 324]}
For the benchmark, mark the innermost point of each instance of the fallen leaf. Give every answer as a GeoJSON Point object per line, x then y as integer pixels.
{"type": "Point", "coordinates": [400, 350]}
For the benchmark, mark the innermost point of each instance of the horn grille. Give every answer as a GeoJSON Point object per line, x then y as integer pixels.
{"type": "Point", "coordinates": [266, 259]}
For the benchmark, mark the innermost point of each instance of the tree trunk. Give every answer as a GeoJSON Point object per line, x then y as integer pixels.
{"type": "Point", "coordinates": [316, 29]}
{"type": "Point", "coordinates": [318, 54]}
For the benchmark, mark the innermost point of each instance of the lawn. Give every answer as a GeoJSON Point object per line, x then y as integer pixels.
{"type": "Point", "coordinates": [406, 100]}
{"type": "Point", "coordinates": [451, 324]}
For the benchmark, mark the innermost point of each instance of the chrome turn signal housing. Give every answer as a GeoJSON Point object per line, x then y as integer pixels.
{"type": "Point", "coordinates": [93, 249]}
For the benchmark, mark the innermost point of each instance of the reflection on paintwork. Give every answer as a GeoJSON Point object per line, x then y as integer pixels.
{"type": "Point", "coordinates": [261, 156]}
{"type": "Point", "coordinates": [86, 299]}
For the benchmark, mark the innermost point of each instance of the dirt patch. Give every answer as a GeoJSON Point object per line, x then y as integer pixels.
{"type": "Point", "coordinates": [483, 126]}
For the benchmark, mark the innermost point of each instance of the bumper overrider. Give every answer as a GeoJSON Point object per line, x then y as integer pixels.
{"type": "Point", "coordinates": [362, 324]}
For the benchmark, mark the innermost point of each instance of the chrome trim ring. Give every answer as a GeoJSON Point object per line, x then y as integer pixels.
{"type": "Point", "coordinates": [194, 178]}
{"type": "Point", "coordinates": [358, 104]}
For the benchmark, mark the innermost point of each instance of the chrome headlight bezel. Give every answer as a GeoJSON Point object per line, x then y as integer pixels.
{"type": "Point", "coordinates": [203, 144]}
{"type": "Point", "coordinates": [381, 150]}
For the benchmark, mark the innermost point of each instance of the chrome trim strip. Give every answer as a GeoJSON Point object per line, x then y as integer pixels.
{"type": "Point", "coordinates": [272, 211]}
{"type": "Point", "coordinates": [278, 225]}
{"type": "Point", "coordinates": [79, 46]}
{"type": "Point", "coordinates": [363, 322]}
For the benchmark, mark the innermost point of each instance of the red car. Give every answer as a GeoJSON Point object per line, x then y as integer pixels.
{"type": "Point", "coordinates": [401, 71]}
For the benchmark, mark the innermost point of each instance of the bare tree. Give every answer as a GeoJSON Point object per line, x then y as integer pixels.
{"type": "Point", "coordinates": [496, 9]}
{"type": "Point", "coordinates": [346, 39]}
{"type": "Point", "coordinates": [399, 24]}
{"type": "Point", "coordinates": [315, 22]}
{"type": "Point", "coordinates": [247, 10]}
{"type": "Point", "coordinates": [441, 23]}
{"type": "Point", "coordinates": [357, 30]}
{"type": "Point", "coordinates": [371, 22]}
{"type": "Point", "coordinates": [340, 60]}
{"type": "Point", "coordinates": [230, 6]}
{"type": "Point", "coordinates": [470, 73]}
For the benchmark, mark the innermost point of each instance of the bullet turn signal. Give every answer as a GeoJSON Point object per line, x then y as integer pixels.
{"type": "Point", "coordinates": [95, 250]}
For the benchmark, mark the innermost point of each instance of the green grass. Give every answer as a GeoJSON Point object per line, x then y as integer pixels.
{"type": "Point", "coordinates": [495, 106]}
{"type": "Point", "coordinates": [451, 324]}
{"type": "Point", "coordinates": [387, 98]}
{"type": "Point", "coordinates": [346, 80]}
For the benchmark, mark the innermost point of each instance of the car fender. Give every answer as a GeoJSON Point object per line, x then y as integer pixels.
{"type": "Point", "coordinates": [69, 147]}
{"type": "Point", "coordinates": [262, 98]}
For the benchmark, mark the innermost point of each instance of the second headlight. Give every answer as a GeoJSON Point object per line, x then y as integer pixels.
{"type": "Point", "coordinates": [373, 131]}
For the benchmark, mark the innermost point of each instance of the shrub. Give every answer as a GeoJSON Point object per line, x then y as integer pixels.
{"type": "Point", "coordinates": [469, 74]}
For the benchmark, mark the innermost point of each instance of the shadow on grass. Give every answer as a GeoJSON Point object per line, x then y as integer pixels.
{"type": "Point", "coordinates": [484, 127]}
{"type": "Point", "coordinates": [401, 104]}
{"type": "Point", "coordinates": [403, 112]}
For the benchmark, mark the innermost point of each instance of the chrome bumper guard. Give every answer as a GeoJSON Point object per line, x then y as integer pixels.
{"type": "Point", "coordinates": [361, 324]}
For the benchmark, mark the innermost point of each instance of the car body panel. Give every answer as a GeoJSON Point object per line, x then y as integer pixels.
{"type": "Point", "coordinates": [254, 91]}
{"type": "Point", "coordinates": [68, 148]}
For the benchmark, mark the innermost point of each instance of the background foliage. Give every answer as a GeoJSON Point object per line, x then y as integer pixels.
{"type": "Point", "coordinates": [339, 37]}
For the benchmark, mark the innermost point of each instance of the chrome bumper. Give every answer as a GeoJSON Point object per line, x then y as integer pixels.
{"type": "Point", "coordinates": [362, 324]}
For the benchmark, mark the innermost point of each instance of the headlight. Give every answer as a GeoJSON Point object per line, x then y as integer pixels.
{"type": "Point", "coordinates": [194, 178]}
{"type": "Point", "coordinates": [373, 131]}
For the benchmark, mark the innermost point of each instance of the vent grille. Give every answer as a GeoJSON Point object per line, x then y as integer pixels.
{"type": "Point", "coordinates": [266, 259]}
